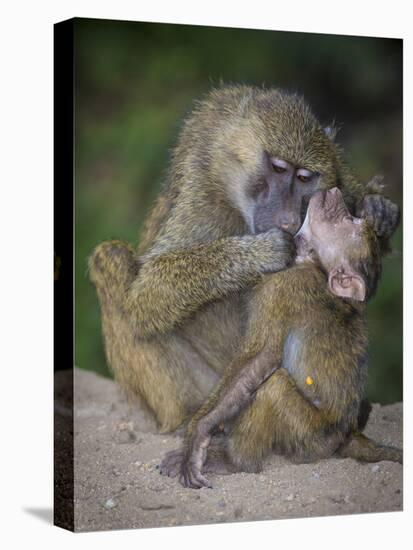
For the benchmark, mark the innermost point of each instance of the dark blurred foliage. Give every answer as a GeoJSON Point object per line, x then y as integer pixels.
{"type": "Point", "coordinates": [136, 81]}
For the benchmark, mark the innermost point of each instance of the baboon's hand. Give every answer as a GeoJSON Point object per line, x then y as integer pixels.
{"type": "Point", "coordinates": [191, 475]}
{"type": "Point", "coordinates": [187, 464]}
{"type": "Point", "coordinates": [381, 213]}
{"type": "Point", "coordinates": [277, 250]}
{"type": "Point", "coordinates": [193, 462]}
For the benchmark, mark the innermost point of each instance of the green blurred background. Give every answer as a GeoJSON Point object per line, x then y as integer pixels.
{"type": "Point", "coordinates": [136, 81]}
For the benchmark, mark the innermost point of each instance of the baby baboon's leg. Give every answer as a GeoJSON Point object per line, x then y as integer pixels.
{"type": "Point", "coordinates": [217, 460]}
{"type": "Point", "coordinates": [280, 418]}
{"type": "Point", "coordinates": [364, 413]}
{"type": "Point", "coordinates": [164, 372]}
{"type": "Point", "coordinates": [364, 449]}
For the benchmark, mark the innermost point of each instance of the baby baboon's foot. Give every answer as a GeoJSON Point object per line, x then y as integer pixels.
{"type": "Point", "coordinates": [391, 453]}
{"type": "Point", "coordinates": [217, 462]}
{"type": "Point", "coordinates": [172, 463]}
{"type": "Point", "coordinates": [176, 464]}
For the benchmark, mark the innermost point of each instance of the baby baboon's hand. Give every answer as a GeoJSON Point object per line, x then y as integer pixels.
{"type": "Point", "coordinates": [191, 475]}
{"type": "Point", "coordinates": [197, 446]}
{"type": "Point", "coordinates": [187, 463]}
{"type": "Point", "coordinates": [381, 213]}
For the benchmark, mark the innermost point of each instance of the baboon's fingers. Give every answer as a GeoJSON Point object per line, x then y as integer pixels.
{"type": "Point", "coordinates": [381, 213]}
{"type": "Point", "coordinates": [191, 477]}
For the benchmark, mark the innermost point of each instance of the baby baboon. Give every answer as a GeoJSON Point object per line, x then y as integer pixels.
{"type": "Point", "coordinates": [245, 166]}
{"type": "Point", "coordinates": [299, 383]}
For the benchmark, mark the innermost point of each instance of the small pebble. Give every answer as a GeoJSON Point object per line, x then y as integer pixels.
{"type": "Point", "coordinates": [110, 503]}
{"type": "Point", "coordinates": [375, 468]}
{"type": "Point", "coordinates": [238, 512]}
{"type": "Point", "coordinates": [126, 436]}
{"type": "Point", "coordinates": [156, 488]}
{"type": "Point", "coordinates": [128, 426]}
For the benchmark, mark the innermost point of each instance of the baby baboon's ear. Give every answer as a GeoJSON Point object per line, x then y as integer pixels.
{"type": "Point", "coordinates": [347, 283]}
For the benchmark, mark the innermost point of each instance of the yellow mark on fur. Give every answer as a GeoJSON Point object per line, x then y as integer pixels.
{"type": "Point", "coordinates": [309, 381]}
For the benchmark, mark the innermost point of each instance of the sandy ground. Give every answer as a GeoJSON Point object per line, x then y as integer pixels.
{"type": "Point", "coordinates": [118, 485]}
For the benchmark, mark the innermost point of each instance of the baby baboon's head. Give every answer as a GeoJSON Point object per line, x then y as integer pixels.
{"type": "Point", "coordinates": [346, 247]}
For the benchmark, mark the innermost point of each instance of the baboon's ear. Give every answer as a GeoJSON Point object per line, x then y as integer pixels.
{"type": "Point", "coordinates": [347, 283]}
{"type": "Point", "coordinates": [331, 131]}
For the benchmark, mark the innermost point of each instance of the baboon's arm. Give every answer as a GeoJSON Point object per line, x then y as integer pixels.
{"type": "Point", "coordinates": [234, 392]}
{"type": "Point", "coordinates": [174, 285]}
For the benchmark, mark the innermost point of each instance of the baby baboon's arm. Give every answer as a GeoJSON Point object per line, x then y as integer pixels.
{"type": "Point", "coordinates": [233, 394]}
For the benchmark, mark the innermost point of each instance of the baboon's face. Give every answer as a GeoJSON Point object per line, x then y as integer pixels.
{"type": "Point", "coordinates": [336, 240]}
{"type": "Point", "coordinates": [280, 195]}
{"type": "Point", "coordinates": [334, 232]}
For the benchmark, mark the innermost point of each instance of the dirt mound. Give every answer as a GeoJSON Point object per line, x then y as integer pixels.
{"type": "Point", "coordinates": [118, 485]}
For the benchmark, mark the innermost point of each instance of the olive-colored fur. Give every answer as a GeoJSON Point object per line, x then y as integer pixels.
{"type": "Point", "coordinates": [173, 312]}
